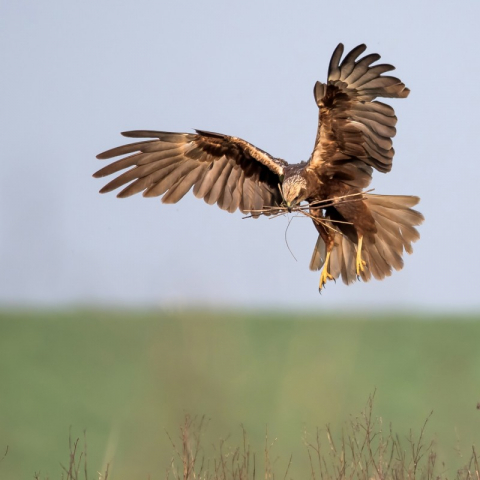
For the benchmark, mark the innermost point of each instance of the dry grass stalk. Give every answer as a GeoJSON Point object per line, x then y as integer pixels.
{"type": "Point", "coordinates": [189, 462]}
{"type": "Point", "coordinates": [365, 450]}
{"type": "Point", "coordinates": [77, 468]}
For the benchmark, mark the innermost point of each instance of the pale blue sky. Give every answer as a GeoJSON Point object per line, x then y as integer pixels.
{"type": "Point", "coordinates": [75, 74]}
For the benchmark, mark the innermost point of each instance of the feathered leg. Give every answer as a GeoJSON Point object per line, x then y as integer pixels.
{"type": "Point", "coordinates": [362, 228]}
{"type": "Point", "coordinates": [327, 233]}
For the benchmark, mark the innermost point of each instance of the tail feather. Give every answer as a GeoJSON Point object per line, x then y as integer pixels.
{"type": "Point", "coordinates": [392, 239]}
{"type": "Point", "coordinates": [393, 201]}
{"type": "Point", "coordinates": [390, 251]}
{"type": "Point", "coordinates": [394, 214]}
{"type": "Point", "coordinates": [378, 265]}
{"type": "Point", "coordinates": [349, 273]}
{"type": "Point", "coordinates": [407, 217]}
{"type": "Point", "coordinates": [395, 221]}
{"type": "Point", "coordinates": [336, 260]}
{"type": "Point", "coordinates": [318, 256]}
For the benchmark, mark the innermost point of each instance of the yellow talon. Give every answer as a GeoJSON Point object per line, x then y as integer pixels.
{"type": "Point", "coordinates": [360, 263]}
{"type": "Point", "coordinates": [324, 276]}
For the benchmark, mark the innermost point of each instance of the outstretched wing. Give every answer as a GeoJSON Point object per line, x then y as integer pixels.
{"type": "Point", "coordinates": [225, 170]}
{"type": "Point", "coordinates": [354, 132]}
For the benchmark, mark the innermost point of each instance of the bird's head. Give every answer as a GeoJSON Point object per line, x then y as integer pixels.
{"type": "Point", "coordinates": [294, 190]}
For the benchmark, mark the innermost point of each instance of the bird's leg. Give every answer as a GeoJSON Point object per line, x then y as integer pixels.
{"type": "Point", "coordinates": [327, 233]}
{"type": "Point", "coordinates": [324, 276]}
{"type": "Point", "coordinates": [360, 263]}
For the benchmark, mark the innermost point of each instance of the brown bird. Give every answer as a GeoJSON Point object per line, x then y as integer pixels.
{"type": "Point", "coordinates": [360, 234]}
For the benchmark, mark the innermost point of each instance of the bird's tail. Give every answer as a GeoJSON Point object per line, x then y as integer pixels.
{"type": "Point", "coordinates": [395, 221]}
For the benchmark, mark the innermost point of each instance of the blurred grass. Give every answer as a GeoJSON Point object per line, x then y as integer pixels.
{"type": "Point", "coordinates": [125, 377]}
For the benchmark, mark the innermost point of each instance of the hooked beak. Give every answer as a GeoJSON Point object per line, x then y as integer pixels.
{"type": "Point", "coordinates": [289, 207]}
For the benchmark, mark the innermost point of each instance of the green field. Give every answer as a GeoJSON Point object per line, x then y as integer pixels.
{"type": "Point", "coordinates": [126, 377]}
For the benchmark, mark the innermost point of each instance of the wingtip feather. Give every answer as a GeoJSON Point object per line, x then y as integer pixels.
{"type": "Point", "coordinates": [333, 67]}
{"type": "Point", "coordinates": [139, 134]}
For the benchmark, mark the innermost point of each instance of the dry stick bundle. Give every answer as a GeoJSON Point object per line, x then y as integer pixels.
{"type": "Point", "coordinates": [280, 210]}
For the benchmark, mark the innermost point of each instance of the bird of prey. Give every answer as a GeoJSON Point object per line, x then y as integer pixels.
{"type": "Point", "coordinates": [360, 235]}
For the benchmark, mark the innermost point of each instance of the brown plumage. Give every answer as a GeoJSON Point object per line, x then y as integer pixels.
{"type": "Point", "coordinates": [360, 234]}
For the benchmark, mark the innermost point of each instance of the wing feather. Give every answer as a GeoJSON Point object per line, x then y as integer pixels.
{"type": "Point", "coordinates": [170, 179]}
{"type": "Point", "coordinates": [333, 68]}
{"type": "Point", "coordinates": [211, 177]}
{"type": "Point", "coordinates": [246, 203]}
{"type": "Point", "coordinates": [387, 112]}
{"type": "Point", "coordinates": [238, 193]}
{"type": "Point", "coordinates": [124, 149]}
{"type": "Point", "coordinates": [353, 128]}
{"type": "Point", "coordinates": [221, 169]}
{"type": "Point", "coordinates": [118, 165]}
{"type": "Point", "coordinates": [138, 172]}
{"type": "Point", "coordinates": [361, 67]}
{"type": "Point", "coordinates": [258, 198]}
{"type": "Point", "coordinates": [219, 186]}
{"type": "Point", "coordinates": [145, 183]}
{"type": "Point", "coordinates": [348, 63]}
{"type": "Point", "coordinates": [371, 78]}
{"type": "Point", "coordinates": [226, 198]}
{"type": "Point", "coordinates": [180, 189]}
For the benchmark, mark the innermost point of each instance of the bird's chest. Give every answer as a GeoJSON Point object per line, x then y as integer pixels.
{"type": "Point", "coordinates": [322, 188]}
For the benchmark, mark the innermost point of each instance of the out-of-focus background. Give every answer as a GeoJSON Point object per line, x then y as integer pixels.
{"type": "Point", "coordinates": [129, 378]}
{"type": "Point", "coordinates": [80, 271]}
